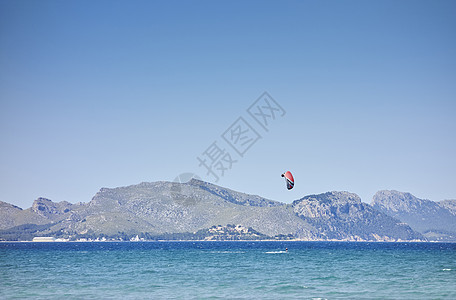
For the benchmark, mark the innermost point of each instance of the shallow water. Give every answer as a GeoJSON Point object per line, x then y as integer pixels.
{"type": "Point", "coordinates": [228, 270]}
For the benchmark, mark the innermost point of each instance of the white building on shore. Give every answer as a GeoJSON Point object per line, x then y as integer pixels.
{"type": "Point", "coordinates": [43, 239]}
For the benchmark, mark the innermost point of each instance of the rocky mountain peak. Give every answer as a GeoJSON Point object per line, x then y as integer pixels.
{"type": "Point", "coordinates": [436, 220]}
{"type": "Point", "coordinates": [195, 181]}
{"type": "Point", "coordinates": [45, 207]}
{"type": "Point", "coordinates": [336, 212]}
{"type": "Point", "coordinates": [395, 201]}
{"type": "Point", "coordinates": [332, 198]}
{"type": "Point", "coordinates": [328, 205]}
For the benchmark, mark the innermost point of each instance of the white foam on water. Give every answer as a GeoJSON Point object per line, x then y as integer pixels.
{"type": "Point", "coordinates": [275, 252]}
{"type": "Point", "coordinates": [225, 252]}
{"type": "Point", "coordinates": [446, 269]}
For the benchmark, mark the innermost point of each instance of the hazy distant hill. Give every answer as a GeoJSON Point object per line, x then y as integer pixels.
{"type": "Point", "coordinates": [190, 210]}
{"type": "Point", "coordinates": [435, 220]}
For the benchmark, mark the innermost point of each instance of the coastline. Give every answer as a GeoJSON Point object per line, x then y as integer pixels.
{"type": "Point", "coordinates": [235, 241]}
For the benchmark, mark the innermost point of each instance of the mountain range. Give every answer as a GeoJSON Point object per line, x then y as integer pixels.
{"type": "Point", "coordinates": [435, 220]}
{"type": "Point", "coordinates": [200, 210]}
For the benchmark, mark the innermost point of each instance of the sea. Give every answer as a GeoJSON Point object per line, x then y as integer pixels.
{"type": "Point", "coordinates": [227, 270]}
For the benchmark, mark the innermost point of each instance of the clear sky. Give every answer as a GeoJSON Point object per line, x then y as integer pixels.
{"type": "Point", "coordinates": [112, 93]}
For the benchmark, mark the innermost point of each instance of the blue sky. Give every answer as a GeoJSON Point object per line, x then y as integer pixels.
{"type": "Point", "coordinates": [111, 93]}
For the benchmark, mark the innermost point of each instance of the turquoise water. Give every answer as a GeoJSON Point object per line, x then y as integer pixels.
{"type": "Point", "coordinates": [227, 270]}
